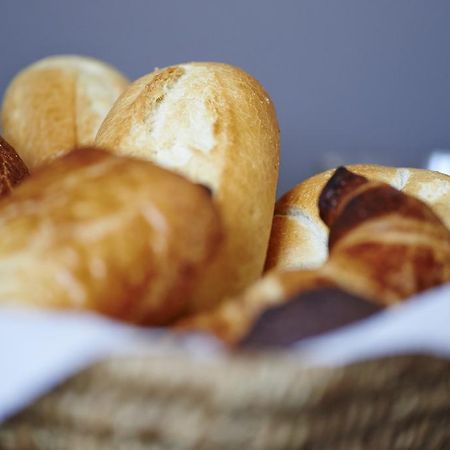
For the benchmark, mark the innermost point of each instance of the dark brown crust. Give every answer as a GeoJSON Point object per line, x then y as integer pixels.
{"type": "Point", "coordinates": [384, 245]}
{"type": "Point", "coordinates": [305, 315]}
{"type": "Point", "coordinates": [375, 201]}
{"type": "Point", "coordinates": [335, 192]}
{"type": "Point", "coordinates": [12, 168]}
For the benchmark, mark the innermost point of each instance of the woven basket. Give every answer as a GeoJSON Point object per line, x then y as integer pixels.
{"type": "Point", "coordinates": [175, 401]}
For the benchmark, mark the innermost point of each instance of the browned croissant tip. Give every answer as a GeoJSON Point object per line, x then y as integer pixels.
{"type": "Point", "coordinates": [12, 168]}
{"type": "Point", "coordinates": [335, 190]}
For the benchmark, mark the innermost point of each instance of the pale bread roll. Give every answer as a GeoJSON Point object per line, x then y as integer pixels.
{"type": "Point", "coordinates": [299, 238]}
{"type": "Point", "coordinates": [56, 104]}
{"type": "Point", "coordinates": [96, 231]}
{"type": "Point", "coordinates": [215, 124]}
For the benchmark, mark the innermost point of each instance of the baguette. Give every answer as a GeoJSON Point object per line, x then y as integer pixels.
{"type": "Point", "coordinates": [56, 104]}
{"type": "Point", "coordinates": [299, 237]}
{"type": "Point", "coordinates": [216, 125]}
{"type": "Point", "coordinates": [105, 233]}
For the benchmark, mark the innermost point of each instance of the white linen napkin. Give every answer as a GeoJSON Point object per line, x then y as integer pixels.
{"type": "Point", "coordinates": [39, 349]}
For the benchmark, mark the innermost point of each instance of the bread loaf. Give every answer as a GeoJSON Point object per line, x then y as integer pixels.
{"type": "Point", "coordinates": [216, 125]}
{"type": "Point", "coordinates": [56, 104]}
{"type": "Point", "coordinates": [299, 237]}
{"type": "Point", "coordinates": [100, 232]}
{"type": "Point", "coordinates": [384, 246]}
{"type": "Point", "coordinates": [12, 169]}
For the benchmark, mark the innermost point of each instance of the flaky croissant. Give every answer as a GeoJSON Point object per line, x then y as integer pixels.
{"type": "Point", "coordinates": [384, 246]}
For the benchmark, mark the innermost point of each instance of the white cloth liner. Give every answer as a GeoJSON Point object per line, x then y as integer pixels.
{"type": "Point", "coordinates": [39, 349]}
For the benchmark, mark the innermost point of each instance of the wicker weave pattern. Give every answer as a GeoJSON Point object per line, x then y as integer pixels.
{"type": "Point", "coordinates": [242, 402]}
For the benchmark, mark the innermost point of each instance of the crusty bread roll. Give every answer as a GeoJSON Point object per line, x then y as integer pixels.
{"type": "Point", "coordinates": [96, 231]}
{"type": "Point", "coordinates": [216, 125]}
{"type": "Point", "coordinates": [56, 104]}
{"type": "Point", "coordinates": [299, 237]}
{"type": "Point", "coordinates": [384, 246]}
{"type": "Point", "coordinates": [12, 168]}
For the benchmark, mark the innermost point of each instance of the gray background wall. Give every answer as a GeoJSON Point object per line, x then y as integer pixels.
{"type": "Point", "coordinates": [353, 80]}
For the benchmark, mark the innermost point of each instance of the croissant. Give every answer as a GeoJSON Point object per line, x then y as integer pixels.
{"type": "Point", "coordinates": [298, 239]}
{"type": "Point", "coordinates": [384, 246]}
{"type": "Point", "coordinates": [12, 170]}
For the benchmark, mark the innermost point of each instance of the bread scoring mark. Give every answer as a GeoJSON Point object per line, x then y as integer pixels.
{"type": "Point", "coordinates": [400, 179]}
{"type": "Point", "coordinates": [306, 220]}
{"type": "Point", "coordinates": [317, 239]}
{"type": "Point", "coordinates": [94, 98]}
{"type": "Point", "coordinates": [96, 86]}
{"type": "Point", "coordinates": [160, 83]}
{"type": "Point", "coordinates": [194, 129]}
{"type": "Point", "coordinates": [183, 126]}
{"type": "Point", "coordinates": [434, 190]}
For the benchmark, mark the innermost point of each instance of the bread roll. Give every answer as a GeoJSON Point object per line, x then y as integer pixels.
{"type": "Point", "coordinates": [12, 170]}
{"type": "Point", "coordinates": [56, 104]}
{"type": "Point", "coordinates": [384, 246]}
{"type": "Point", "coordinates": [100, 232]}
{"type": "Point", "coordinates": [216, 125]}
{"type": "Point", "coordinates": [299, 237]}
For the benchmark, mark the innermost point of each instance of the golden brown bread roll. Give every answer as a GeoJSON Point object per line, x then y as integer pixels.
{"type": "Point", "coordinates": [12, 170]}
{"type": "Point", "coordinates": [96, 231]}
{"type": "Point", "coordinates": [299, 238]}
{"type": "Point", "coordinates": [56, 104]}
{"type": "Point", "coordinates": [384, 247]}
{"type": "Point", "coordinates": [216, 125]}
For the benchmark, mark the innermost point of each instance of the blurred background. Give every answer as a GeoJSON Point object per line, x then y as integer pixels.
{"type": "Point", "coordinates": [352, 80]}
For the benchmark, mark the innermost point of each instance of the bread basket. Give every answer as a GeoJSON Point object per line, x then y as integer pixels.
{"type": "Point", "coordinates": [383, 383]}
{"type": "Point", "coordinates": [244, 401]}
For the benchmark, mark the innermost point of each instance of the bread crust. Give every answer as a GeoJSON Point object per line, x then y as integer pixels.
{"type": "Point", "coordinates": [12, 168]}
{"type": "Point", "coordinates": [299, 238]}
{"type": "Point", "coordinates": [56, 104]}
{"type": "Point", "coordinates": [96, 231]}
{"type": "Point", "coordinates": [216, 125]}
{"type": "Point", "coordinates": [385, 246]}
